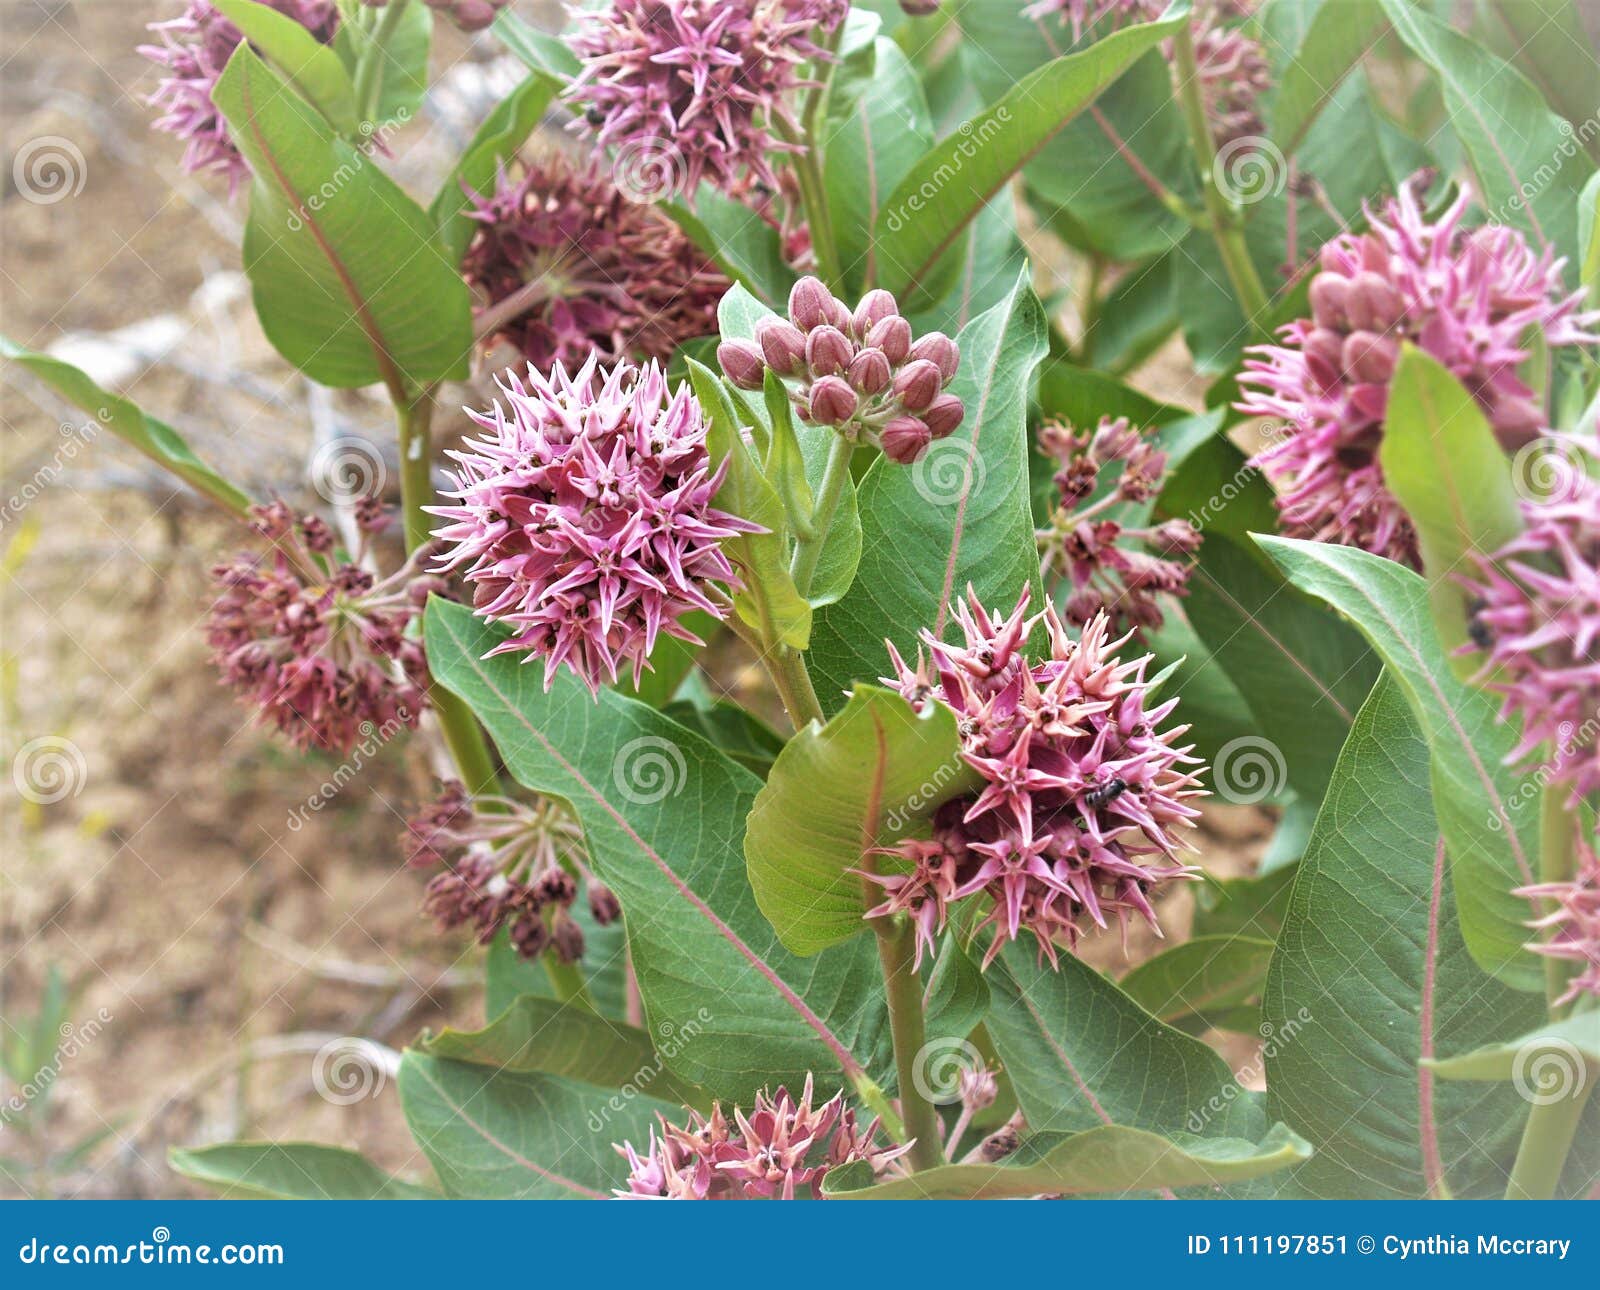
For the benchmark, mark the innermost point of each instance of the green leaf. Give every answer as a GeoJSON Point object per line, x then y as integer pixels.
{"type": "Point", "coordinates": [958, 516]}
{"type": "Point", "coordinates": [1515, 143]}
{"type": "Point", "coordinates": [1567, 1051]}
{"type": "Point", "coordinates": [869, 777]}
{"type": "Point", "coordinates": [504, 1135]}
{"type": "Point", "coordinates": [957, 996]}
{"type": "Point", "coordinates": [877, 127]}
{"type": "Point", "coordinates": [1441, 460]}
{"type": "Point", "coordinates": [738, 241]}
{"type": "Point", "coordinates": [539, 50]}
{"type": "Point", "coordinates": [956, 178]}
{"type": "Point", "coordinates": [1489, 816]}
{"type": "Point", "coordinates": [551, 1038]}
{"type": "Point", "coordinates": [1248, 906]}
{"type": "Point", "coordinates": [1111, 1160]}
{"type": "Point", "coordinates": [1340, 33]}
{"type": "Point", "coordinates": [404, 70]}
{"type": "Point", "coordinates": [738, 735]}
{"type": "Point", "coordinates": [663, 815]}
{"type": "Point", "coordinates": [348, 277]}
{"type": "Point", "coordinates": [1203, 974]}
{"type": "Point", "coordinates": [1589, 236]}
{"type": "Point", "coordinates": [290, 1171]}
{"type": "Point", "coordinates": [1547, 41]}
{"type": "Point", "coordinates": [496, 142]}
{"type": "Point", "coordinates": [1135, 317]}
{"type": "Point", "coordinates": [300, 58]}
{"type": "Point", "coordinates": [770, 602]}
{"type": "Point", "coordinates": [155, 439]}
{"type": "Point", "coordinates": [1371, 975]}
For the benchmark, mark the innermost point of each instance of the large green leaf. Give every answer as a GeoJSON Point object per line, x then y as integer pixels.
{"type": "Point", "coordinates": [955, 179]}
{"type": "Point", "coordinates": [1547, 41]}
{"type": "Point", "coordinates": [663, 814]}
{"type": "Point", "coordinates": [1339, 34]}
{"type": "Point", "coordinates": [1529, 165]}
{"type": "Point", "coordinates": [402, 70]}
{"type": "Point", "coordinates": [300, 58]}
{"type": "Point", "coordinates": [539, 50]}
{"type": "Point", "coordinates": [1108, 1161]}
{"type": "Point", "coordinates": [1371, 976]}
{"type": "Point", "coordinates": [155, 439]}
{"type": "Point", "coordinates": [503, 131]}
{"type": "Point", "coordinates": [958, 516]}
{"type": "Point", "coordinates": [1488, 814]}
{"type": "Point", "coordinates": [1589, 237]}
{"type": "Point", "coordinates": [1203, 975]}
{"type": "Point", "coordinates": [1568, 1051]}
{"type": "Point", "coordinates": [290, 1171]}
{"type": "Point", "coordinates": [738, 241]}
{"type": "Point", "coordinates": [349, 279]}
{"type": "Point", "coordinates": [504, 1135]}
{"type": "Point", "coordinates": [869, 777]}
{"type": "Point", "coordinates": [1441, 460]}
{"type": "Point", "coordinates": [552, 1038]}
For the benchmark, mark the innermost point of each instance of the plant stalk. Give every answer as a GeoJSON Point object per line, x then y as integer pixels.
{"type": "Point", "coordinates": [369, 75]}
{"type": "Point", "coordinates": [463, 736]}
{"type": "Point", "coordinates": [1557, 863]}
{"type": "Point", "coordinates": [807, 551]}
{"type": "Point", "coordinates": [1227, 229]}
{"type": "Point", "coordinates": [897, 955]}
{"type": "Point", "coordinates": [1546, 1140]}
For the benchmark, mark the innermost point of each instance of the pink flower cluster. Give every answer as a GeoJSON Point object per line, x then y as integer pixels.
{"type": "Point", "coordinates": [506, 864]}
{"type": "Point", "coordinates": [194, 49]}
{"type": "Point", "coordinates": [780, 1151]}
{"type": "Point", "coordinates": [1468, 299]}
{"type": "Point", "coordinates": [704, 88]}
{"type": "Point", "coordinates": [1536, 617]}
{"type": "Point", "coordinates": [1080, 785]}
{"type": "Point", "coordinates": [1234, 74]}
{"type": "Point", "coordinates": [859, 371]}
{"type": "Point", "coordinates": [569, 266]}
{"type": "Point", "coordinates": [1081, 15]}
{"type": "Point", "coordinates": [317, 643]}
{"type": "Point", "coordinates": [583, 517]}
{"type": "Point", "coordinates": [1089, 548]}
{"type": "Point", "coordinates": [1574, 923]}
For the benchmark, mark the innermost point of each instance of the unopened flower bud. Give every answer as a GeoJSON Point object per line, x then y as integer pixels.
{"type": "Point", "coordinates": [1517, 419]}
{"type": "Point", "coordinates": [944, 414]}
{"type": "Point", "coordinates": [1324, 351]}
{"type": "Point", "coordinates": [1368, 357]}
{"type": "Point", "coordinates": [905, 439]}
{"type": "Point", "coordinates": [603, 904]}
{"type": "Point", "coordinates": [1113, 440]}
{"type": "Point", "coordinates": [919, 8]}
{"type": "Point", "coordinates": [893, 336]}
{"type": "Point", "coordinates": [1177, 537]}
{"type": "Point", "coordinates": [810, 303]}
{"type": "Point", "coordinates": [828, 351]}
{"type": "Point", "coordinates": [917, 384]}
{"type": "Point", "coordinates": [939, 350]}
{"type": "Point", "coordinates": [567, 938]}
{"type": "Point", "coordinates": [743, 363]}
{"type": "Point", "coordinates": [870, 372]}
{"type": "Point", "coordinates": [875, 306]}
{"type": "Point", "coordinates": [783, 345]}
{"type": "Point", "coordinates": [833, 402]}
{"type": "Point", "coordinates": [1329, 291]}
{"type": "Point", "coordinates": [1372, 303]}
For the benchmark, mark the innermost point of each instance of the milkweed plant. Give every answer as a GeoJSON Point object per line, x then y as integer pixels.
{"type": "Point", "coordinates": [1081, 412]}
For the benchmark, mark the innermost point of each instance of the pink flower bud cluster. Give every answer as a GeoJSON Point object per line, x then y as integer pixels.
{"type": "Point", "coordinates": [1234, 74]}
{"type": "Point", "coordinates": [1081, 786]}
{"type": "Point", "coordinates": [505, 863]}
{"type": "Point", "coordinates": [194, 49]}
{"type": "Point", "coordinates": [465, 15]}
{"type": "Point", "coordinates": [315, 642]}
{"type": "Point", "coordinates": [568, 266]}
{"type": "Point", "coordinates": [583, 518]}
{"type": "Point", "coordinates": [1574, 923]}
{"type": "Point", "coordinates": [861, 372]}
{"type": "Point", "coordinates": [780, 1151]}
{"type": "Point", "coordinates": [1469, 299]}
{"type": "Point", "coordinates": [698, 89]}
{"type": "Point", "coordinates": [1536, 618]}
{"type": "Point", "coordinates": [1113, 569]}
{"type": "Point", "coordinates": [1081, 15]}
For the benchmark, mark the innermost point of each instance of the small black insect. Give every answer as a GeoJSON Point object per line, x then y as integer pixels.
{"type": "Point", "coordinates": [1480, 632]}
{"type": "Point", "coordinates": [1102, 794]}
{"type": "Point", "coordinates": [594, 116]}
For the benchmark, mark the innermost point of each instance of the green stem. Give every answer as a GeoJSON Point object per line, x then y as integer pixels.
{"type": "Point", "coordinates": [897, 955]}
{"type": "Point", "coordinates": [1557, 863]}
{"type": "Point", "coordinates": [1227, 229]}
{"type": "Point", "coordinates": [462, 733]}
{"type": "Point", "coordinates": [1546, 1140]}
{"type": "Point", "coordinates": [807, 551]}
{"type": "Point", "coordinates": [787, 668]}
{"type": "Point", "coordinates": [369, 74]}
